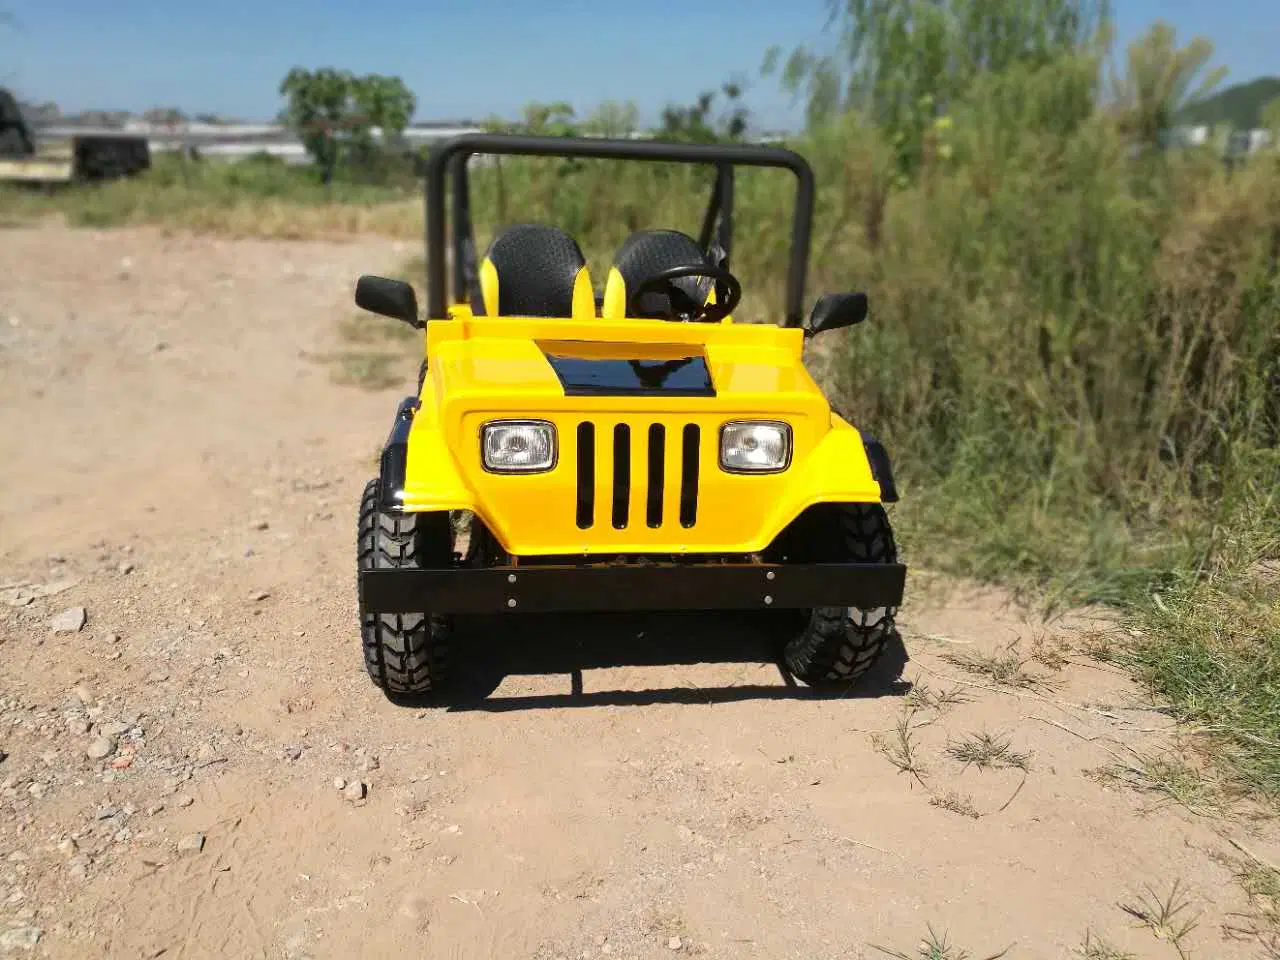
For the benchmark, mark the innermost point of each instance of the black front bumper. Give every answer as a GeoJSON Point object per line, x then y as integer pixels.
{"type": "Point", "coordinates": [671, 586]}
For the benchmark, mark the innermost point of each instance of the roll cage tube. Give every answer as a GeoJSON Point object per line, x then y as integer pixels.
{"type": "Point", "coordinates": [449, 161]}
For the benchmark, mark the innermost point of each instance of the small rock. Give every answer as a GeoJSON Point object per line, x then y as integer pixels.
{"type": "Point", "coordinates": [675, 943]}
{"type": "Point", "coordinates": [370, 764]}
{"type": "Point", "coordinates": [79, 727]}
{"type": "Point", "coordinates": [259, 595]}
{"type": "Point", "coordinates": [100, 749]}
{"type": "Point", "coordinates": [126, 568]}
{"type": "Point", "coordinates": [123, 835]}
{"type": "Point", "coordinates": [114, 729]}
{"type": "Point", "coordinates": [191, 843]}
{"type": "Point", "coordinates": [292, 753]}
{"type": "Point", "coordinates": [185, 800]}
{"type": "Point", "coordinates": [68, 847]}
{"type": "Point", "coordinates": [37, 790]}
{"type": "Point", "coordinates": [20, 938]}
{"type": "Point", "coordinates": [157, 676]}
{"type": "Point", "coordinates": [261, 525]}
{"type": "Point", "coordinates": [105, 813]}
{"type": "Point", "coordinates": [154, 809]}
{"type": "Point", "coordinates": [84, 695]}
{"type": "Point", "coordinates": [71, 620]}
{"type": "Point", "coordinates": [339, 783]}
{"type": "Point", "coordinates": [354, 791]}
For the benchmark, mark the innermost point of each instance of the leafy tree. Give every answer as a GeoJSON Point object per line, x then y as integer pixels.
{"type": "Point", "coordinates": [697, 124]}
{"type": "Point", "coordinates": [613, 120]}
{"type": "Point", "coordinates": [328, 108]}
{"type": "Point", "coordinates": [904, 63]}
{"type": "Point", "coordinates": [1271, 118]}
{"type": "Point", "coordinates": [1162, 79]}
{"type": "Point", "coordinates": [382, 102]}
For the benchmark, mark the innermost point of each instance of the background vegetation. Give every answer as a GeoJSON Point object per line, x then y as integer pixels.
{"type": "Point", "coordinates": [1074, 346]}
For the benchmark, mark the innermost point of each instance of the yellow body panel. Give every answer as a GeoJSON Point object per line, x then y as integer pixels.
{"type": "Point", "coordinates": [483, 368]}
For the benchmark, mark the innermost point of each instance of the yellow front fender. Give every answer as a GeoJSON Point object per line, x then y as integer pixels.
{"type": "Point", "coordinates": [836, 471]}
{"type": "Point", "coordinates": [432, 479]}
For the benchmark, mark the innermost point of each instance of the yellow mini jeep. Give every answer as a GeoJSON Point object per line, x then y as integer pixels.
{"type": "Point", "coordinates": [632, 450]}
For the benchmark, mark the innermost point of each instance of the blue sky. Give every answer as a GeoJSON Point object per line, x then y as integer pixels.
{"type": "Point", "coordinates": [470, 58]}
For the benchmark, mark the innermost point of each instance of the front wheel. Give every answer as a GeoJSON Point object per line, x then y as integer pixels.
{"type": "Point", "coordinates": [406, 654]}
{"type": "Point", "coordinates": [831, 647]}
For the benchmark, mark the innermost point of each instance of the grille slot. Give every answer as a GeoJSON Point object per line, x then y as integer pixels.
{"type": "Point", "coordinates": [586, 474]}
{"type": "Point", "coordinates": [621, 476]}
{"type": "Point", "coordinates": [657, 464]}
{"type": "Point", "coordinates": [689, 476]}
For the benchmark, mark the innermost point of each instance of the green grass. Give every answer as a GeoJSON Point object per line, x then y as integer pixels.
{"type": "Point", "coordinates": [256, 197]}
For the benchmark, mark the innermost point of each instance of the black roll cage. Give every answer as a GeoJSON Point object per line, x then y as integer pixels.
{"type": "Point", "coordinates": [448, 161]}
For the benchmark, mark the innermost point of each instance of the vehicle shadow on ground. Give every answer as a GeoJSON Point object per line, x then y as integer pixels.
{"type": "Point", "coordinates": [487, 651]}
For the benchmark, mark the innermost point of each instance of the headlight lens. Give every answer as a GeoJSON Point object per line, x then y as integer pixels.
{"type": "Point", "coordinates": [519, 446]}
{"type": "Point", "coordinates": [755, 446]}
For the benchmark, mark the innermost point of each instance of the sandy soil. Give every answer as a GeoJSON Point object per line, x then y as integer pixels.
{"type": "Point", "coordinates": [175, 461]}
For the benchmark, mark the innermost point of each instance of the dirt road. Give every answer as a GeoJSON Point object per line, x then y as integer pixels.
{"type": "Point", "coordinates": [177, 773]}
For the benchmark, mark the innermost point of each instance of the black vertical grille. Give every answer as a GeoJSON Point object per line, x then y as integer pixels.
{"type": "Point", "coordinates": [586, 475]}
{"type": "Point", "coordinates": [621, 475]}
{"type": "Point", "coordinates": [689, 476]}
{"type": "Point", "coordinates": [657, 464]}
{"type": "Point", "coordinates": [655, 458]}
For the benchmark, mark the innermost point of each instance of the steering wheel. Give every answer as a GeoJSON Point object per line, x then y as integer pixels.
{"type": "Point", "coordinates": [728, 291]}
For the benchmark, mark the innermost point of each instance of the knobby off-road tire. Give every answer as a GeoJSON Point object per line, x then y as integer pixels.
{"type": "Point", "coordinates": [406, 654]}
{"type": "Point", "coordinates": [834, 646]}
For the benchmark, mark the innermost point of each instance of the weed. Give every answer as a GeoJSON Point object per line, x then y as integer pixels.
{"type": "Point", "coordinates": [1161, 917]}
{"type": "Point", "coordinates": [961, 804]}
{"type": "Point", "coordinates": [1050, 652]}
{"type": "Point", "coordinates": [922, 696]}
{"type": "Point", "coordinates": [900, 750]}
{"type": "Point", "coordinates": [933, 948]}
{"type": "Point", "coordinates": [1005, 667]}
{"type": "Point", "coordinates": [988, 752]}
{"type": "Point", "coordinates": [1099, 949]}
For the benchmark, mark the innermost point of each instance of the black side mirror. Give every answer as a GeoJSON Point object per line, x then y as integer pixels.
{"type": "Point", "coordinates": [836, 310]}
{"type": "Point", "coordinates": [388, 298]}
